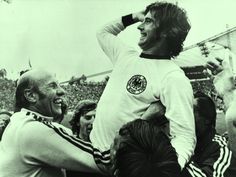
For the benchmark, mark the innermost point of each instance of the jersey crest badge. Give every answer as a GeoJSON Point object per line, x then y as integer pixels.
{"type": "Point", "coordinates": [136, 84]}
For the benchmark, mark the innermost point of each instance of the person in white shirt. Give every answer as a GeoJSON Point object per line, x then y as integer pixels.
{"type": "Point", "coordinates": [33, 143]}
{"type": "Point", "coordinates": [140, 80]}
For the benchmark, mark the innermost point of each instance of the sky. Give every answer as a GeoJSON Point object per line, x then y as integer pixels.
{"type": "Point", "coordinates": [60, 35]}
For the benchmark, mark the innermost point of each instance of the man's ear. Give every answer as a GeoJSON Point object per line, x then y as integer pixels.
{"type": "Point", "coordinates": [170, 33]}
{"type": "Point", "coordinates": [30, 96]}
{"type": "Point", "coordinates": [163, 34]}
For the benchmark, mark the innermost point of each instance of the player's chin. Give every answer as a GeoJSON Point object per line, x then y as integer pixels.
{"type": "Point", "coordinates": [141, 44]}
{"type": "Point", "coordinates": [89, 131]}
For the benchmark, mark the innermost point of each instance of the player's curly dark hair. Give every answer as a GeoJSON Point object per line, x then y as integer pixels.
{"type": "Point", "coordinates": [145, 151]}
{"type": "Point", "coordinates": [173, 21]}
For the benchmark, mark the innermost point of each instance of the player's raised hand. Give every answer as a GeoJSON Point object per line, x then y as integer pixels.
{"type": "Point", "coordinates": [139, 16]}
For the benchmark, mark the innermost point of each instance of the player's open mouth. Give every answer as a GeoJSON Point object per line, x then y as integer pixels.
{"type": "Point", "coordinates": [89, 128]}
{"type": "Point", "coordinates": [143, 34]}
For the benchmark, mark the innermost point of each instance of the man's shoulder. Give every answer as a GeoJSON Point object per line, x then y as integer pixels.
{"type": "Point", "coordinates": [176, 75]}
{"type": "Point", "coordinates": [29, 124]}
{"type": "Point", "coordinates": [170, 68]}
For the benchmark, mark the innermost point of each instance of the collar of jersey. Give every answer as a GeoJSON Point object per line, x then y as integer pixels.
{"type": "Point", "coordinates": [150, 56]}
{"type": "Point", "coordinates": [36, 115]}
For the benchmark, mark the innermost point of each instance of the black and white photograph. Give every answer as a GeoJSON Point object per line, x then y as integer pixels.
{"type": "Point", "coordinates": [138, 88]}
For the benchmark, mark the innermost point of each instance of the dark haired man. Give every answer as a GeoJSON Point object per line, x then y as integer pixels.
{"type": "Point", "coordinates": [225, 84]}
{"type": "Point", "coordinates": [82, 123]}
{"type": "Point", "coordinates": [142, 149]}
{"type": "Point", "coordinates": [82, 120]}
{"type": "Point", "coordinates": [212, 156]}
{"type": "Point", "coordinates": [33, 144]}
{"type": "Point", "coordinates": [139, 80]}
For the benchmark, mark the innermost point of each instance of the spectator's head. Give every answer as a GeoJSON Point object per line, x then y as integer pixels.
{"type": "Point", "coordinates": [39, 91]}
{"type": "Point", "coordinates": [142, 149]}
{"type": "Point", "coordinates": [164, 22]}
{"type": "Point", "coordinates": [204, 113]}
{"type": "Point", "coordinates": [82, 120]}
{"type": "Point", "coordinates": [4, 120]}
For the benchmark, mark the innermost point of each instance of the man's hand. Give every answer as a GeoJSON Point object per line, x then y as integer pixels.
{"type": "Point", "coordinates": [215, 66]}
{"type": "Point", "coordinates": [139, 16]}
{"type": "Point", "coordinates": [154, 110]}
{"type": "Point", "coordinates": [224, 78]}
{"type": "Point", "coordinates": [224, 81]}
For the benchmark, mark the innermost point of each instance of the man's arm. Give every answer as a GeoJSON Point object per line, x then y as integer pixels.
{"type": "Point", "coordinates": [224, 83]}
{"type": "Point", "coordinates": [155, 110]}
{"type": "Point", "coordinates": [53, 146]}
{"type": "Point", "coordinates": [230, 119]}
{"type": "Point", "coordinates": [193, 170]}
{"type": "Point", "coordinates": [177, 97]}
{"type": "Point", "coordinates": [107, 35]}
{"type": "Point", "coordinates": [215, 162]}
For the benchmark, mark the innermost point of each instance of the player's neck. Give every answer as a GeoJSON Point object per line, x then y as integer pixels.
{"type": "Point", "coordinates": [156, 53]}
{"type": "Point", "coordinates": [159, 49]}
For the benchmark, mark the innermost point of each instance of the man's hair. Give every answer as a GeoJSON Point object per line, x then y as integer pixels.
{"type": "Point", "coordinates": [206, 108]}
{"type": "Point", "coordinates": [20, 100]}
{"type": "Point", "coordinates": [82, 108]}
{"type": "Point", "coordinates": [145, 151]}
{"type": "Point", "coordinates": [25, 82]}
{"type": "Point", "coordinates": [173, 21]}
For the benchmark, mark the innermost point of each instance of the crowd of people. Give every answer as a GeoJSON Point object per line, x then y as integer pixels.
{"type": "Point", "coordinates": [146, 121]}
{"type": "Point", "coordinates": [82, 91]}
{"type": "Point", "coordinates": [75, 92]}
{"type": "Point", "coordinates": [91, 90]}
{"type": "Point", "coordinates": [7, 87]}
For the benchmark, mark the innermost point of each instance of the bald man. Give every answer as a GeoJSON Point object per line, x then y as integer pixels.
{"type": "Point", "coordinates": [32, 145]}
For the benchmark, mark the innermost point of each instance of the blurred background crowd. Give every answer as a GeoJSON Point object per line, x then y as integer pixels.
{"type": "Point", "coordinates": [82, 90]}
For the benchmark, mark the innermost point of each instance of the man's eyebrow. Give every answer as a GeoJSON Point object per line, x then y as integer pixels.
{"type": "Point", "coordinates": [149, 18]}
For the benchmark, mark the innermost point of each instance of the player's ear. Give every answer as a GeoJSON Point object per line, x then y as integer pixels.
{"type": "Point", "coordinates": [173, 32]}
{"type": "Point", "coordinates": [163, 34]}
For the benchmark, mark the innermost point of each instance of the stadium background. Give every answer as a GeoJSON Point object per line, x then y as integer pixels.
{"type": "Point", "coordinates": [82, 89]}
{"type": "Point", "coordinates": [31, 39]}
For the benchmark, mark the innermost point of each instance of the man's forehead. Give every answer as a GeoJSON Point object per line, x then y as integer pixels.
{"type": "Point", "coordinates": [149, 15]}
{"type": "Point", "coordinates": [39, 76]}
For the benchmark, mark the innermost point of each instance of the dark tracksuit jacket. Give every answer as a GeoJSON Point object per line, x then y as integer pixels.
{"type": "Point", "coordinates": [212, 158]}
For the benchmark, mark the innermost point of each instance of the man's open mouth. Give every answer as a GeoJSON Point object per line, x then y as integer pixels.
{"type": "Point", "coordinates": [143, 34]}
{"type": "Point", "coordinates": [57, 101]}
